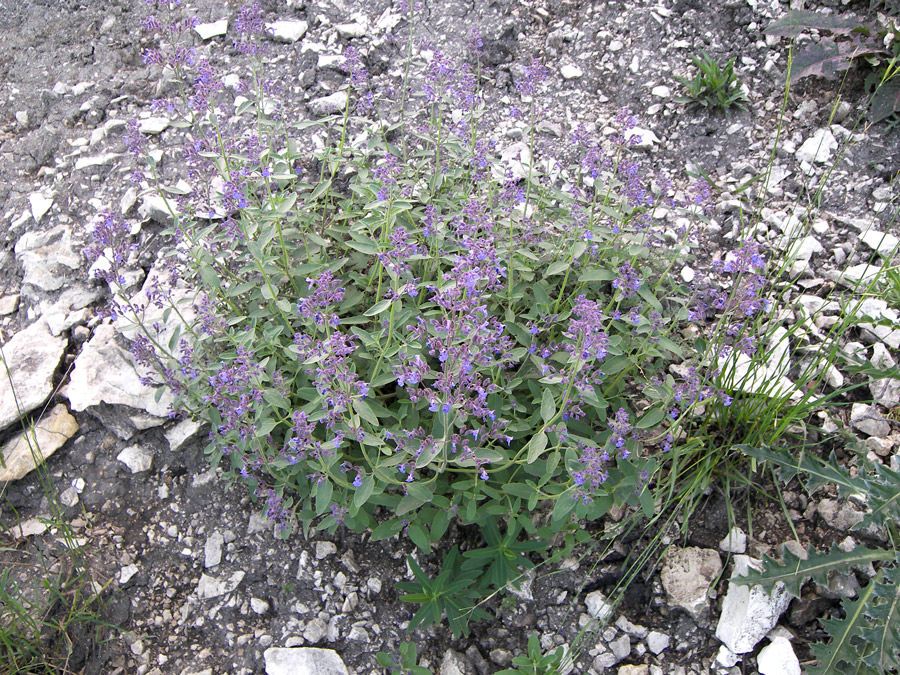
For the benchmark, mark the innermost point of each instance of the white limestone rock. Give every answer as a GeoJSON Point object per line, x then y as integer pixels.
{"type": "Point", "coordinates": [207, 31]}
{"type": "Point", "coordinates": [47, 258]}
{"type": "Point", "coordinates": [327, 105]}
{"type": "Point", "coordinates": [39, 205]}
{"type": "Point", "coordinates": [104, 373]}
{"type": "Point", "coordinates": [29, 449]}
{"type": "Point", "coordinates": [658, 642]}
{"type": "Point", "coordinates": [687, 575]}
{"type": "Point", "coordinates": [883, 242]}
{"type": "Point", "coordinates": [646, 138]}
{"type": "Point", "coordinates": [137, 458]}
{"type": "Point", "coordinates": [734, 542]}
{"type": "Point", "coordinates": [749, 612]}
{"type": "Point", "coordinates": [287, 30]}
{"type": "Point", "coordinates": [778, 658]}
{"type": "Point", "coordinates": [869, 421]}
{"type": "Point", "coordinates": [352, 30]}
{"type": "Point", "coordinates": [597, 606]}
{"type": "Point", "coordinates": [570, 72]}
{"type": "Point", "coordinates": [211, 587]}
{"type": "Point", "coordinates": [818, 148]}
{"type": "Point", "coordinates": [303, 661]}
{"type": "Point", "coordinates": [212, 550]}
{"type": "Point", "coordinates": [153, 126]}
{"type": "Point", "coordinates": [31, 356]}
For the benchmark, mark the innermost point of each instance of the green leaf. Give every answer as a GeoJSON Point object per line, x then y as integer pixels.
{"type": "Point", "coordinates": [564, 505]}
{"type": "Point", "coordinates": [377, 308]}
{"type": "Point", "coordinates": [518, 490]}
{"type": "Point", "coordinates": [209, 276]}
{"type": "Point", "coordinates": [558, 267]}
{"type": "Point", "coordinates": [363, 492]}
{"type": "Point", "coordinates": [651, 417]}
{"type": "Point", "coordinates": [276, 400]}
{"type": "Point", "coordinates": [363, 410]}
{"type": "Point", "coordinates": [387, 529]}
{"type": "Point", "coordinates": [536, 446]}
{"type": "Point", "coordinates": [323, 497]}
{"type": "Point", "coordinates": [418, 536]}
{"type": "Point", "coordinates": [548, 406]}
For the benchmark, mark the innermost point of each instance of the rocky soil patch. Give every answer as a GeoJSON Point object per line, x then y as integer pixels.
{"type": "Point", "coordinates": [199, 584]}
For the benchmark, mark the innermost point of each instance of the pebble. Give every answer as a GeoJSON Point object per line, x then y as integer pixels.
{"type": "Point", "coordinates": [778, 658]}
{"type": "Point", "coordinates": [207, 31]}
{"type": "Point", "coordinates": [325, 549]}
{"type": "Point", "coordinates": [869, 421]}
{"type": "Point", "coordinates": [287, 30]}
{"type": "Point", "coordinates": [657, 642]}
{"type": "Point", "coordinates": [136, 458]}
{"type": "Point", "coordinates": [212, 550]}
{"type": "Point", "coordinates": [734, 542]}
{"type": "Point", "coordinates": [662, 91]}
{"type": "Point", "coordinates": [597, 606]}
{"type": "Point", "coordinates": [570, 72]}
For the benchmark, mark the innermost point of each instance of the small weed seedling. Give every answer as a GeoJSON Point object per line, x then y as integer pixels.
{"type": "Point", "coordinates": [713, 86]}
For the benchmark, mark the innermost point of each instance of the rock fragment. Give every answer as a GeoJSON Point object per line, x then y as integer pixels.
{"type": "Point", "coordinates": [287, 30]}
{"type": "Point", "coordinates": [29, 449]}
{"type": "Point", "coordinates": [686, 576]}
{"type": "Point", "coordinates": [749, 612]}
{"type": "Point", "coordinates": [303, 661]}
{"type": "Point", "coordinates": [207, 31]}
{"type": "Point", "coordinates": [32, 356]}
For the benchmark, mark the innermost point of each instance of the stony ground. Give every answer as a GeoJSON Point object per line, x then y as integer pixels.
{"type": "Point", "coordinates": [198, 583]}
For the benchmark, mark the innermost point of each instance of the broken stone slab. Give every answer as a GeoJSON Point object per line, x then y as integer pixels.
{"type": "Point", "coordinates": [137, 458]}
{"type": "Point", "coordinates": [207, 31]}
{"type": "Point", "coordinates": [287, 30]}
{"type": "Point", "coordinates": [687, 575]}
{"type": "Point", "coordinates": [47, 258]}
{"type": "Point", "coordinates": [838, 514]}
{"type": "Point", "coordinates": [328, 105]}
{"type": "Point", "coordinates": [749, 612]}
{"type": "Point", "coordinates": [868, 420]}
{"type": "Point", "coordinates": [32, 356]}
{"type": "Point", "coordinates": [30, 449]}
{"type": "Point", "coordinates": [778, 658]}
{"type": "Point", "coordinates": [303, 661]}
{"type": "Point", "coordinates": [883, 242]}
{"type": "Point", "coordinates": [39, 205]}
{"type": "Point", "coordinates": [734, 542]}
{"type": "Point", "coordinates": [818, 147]}
{"type": "Point", "coordinates": [104, 373]}
{"type": "Point", "coordinates": [211, 587]}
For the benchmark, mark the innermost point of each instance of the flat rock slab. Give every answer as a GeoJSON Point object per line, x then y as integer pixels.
{"type": "Point", "coordinates": [749, 612]}
{"type": "Point", "coordinates": [28, 450]}
{"type": "Point", "coordinates": [32, 356]}
{"type": "Point", "coordinates": [105, 373]}
{"type": "Point", "coordinates": [686, 576]}
{"type": "Point", "coordinates": [47, 258]}
{"type": "Point", "coordinates": [303, 661]}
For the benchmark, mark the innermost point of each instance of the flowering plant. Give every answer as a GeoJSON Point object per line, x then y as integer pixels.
{"type": "Point", "coordinates": [393, 336]}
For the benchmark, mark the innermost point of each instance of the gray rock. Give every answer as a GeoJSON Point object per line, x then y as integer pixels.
{"type": "Point", "coordinates": [182, 432]}
{"type": "Point", "coordinates": [315, 631]}
{"type": "Point", "coordinates": [259, 606]}
{"type": "Point", "coordinates": [817, 148]}
{"type": "Point", "coordinates": [47, 258]}
{"type": "Point", "coordinates": [39, 205]}
{"type": "Point", "coordinates": [883, 242]}
{"type": "Point", "coordinates": [29, 449]}
{"type": "Point", "coordinates": [778, 658]}
{"type": "Point", "coordinates": [455, 663]}
{"type": "Point", "coordinates": [9, 304]}
{"type": "Point", "coordinates": [303, 661]}
{"type": "Point", "coordinates": [31, 356]}
{"type": "Point", "coordinates": [749, 613]}
{"type": "Point", "coordinates": [646, 138]}
{"type": "Point", "coordinates": [327, 105]}
{"type": "Point", "coordinates": [153, 126]}
{"type": "Point", "coordinates": [687, 575]}
{"type": "Point", "coordinates": [597, 606]}
{"type": "Point", "coordinates": [212, 550]}
{"type": "Point", "coordinates": [734, 542]}
{"type": "Point", "coordinates": [287, 30]}
{"type": "Point", "coordinates": [570, 72]}
{"type": "Point", "coordinates": [137, 458]}
{"type": "Point", "coordinates": [621, 647]}
{"type": "Point", "coordinates": [658, 642]}
{"type": "Point", "coordinates": [869, 421]}
{"type": "Point", "coordinates": [838, 514]}
{"type": "Point", "coordinates": [212, 29]}
{"type": "Point", "coordinates": [351, 30]}
{"type": "Point", "coordinates": [104, 373]}
{"type": "Point", "coordinates": [211, 587]}
{"type": "Point", "coordinates": [325, 549]}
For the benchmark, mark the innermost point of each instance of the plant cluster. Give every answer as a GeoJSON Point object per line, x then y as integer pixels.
{"type": "Point", "coordinates": [713, 86]}
{"type": "Point", "coordinates": [853, 40]}
{"type": "Point", "coordinates": [391, 329]}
